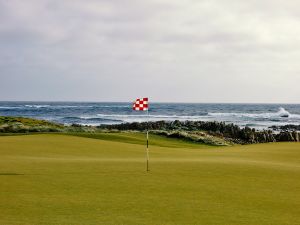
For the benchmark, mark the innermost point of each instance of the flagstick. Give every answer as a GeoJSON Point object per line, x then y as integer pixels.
{"type": "Point", "coordinates": [147, 149]}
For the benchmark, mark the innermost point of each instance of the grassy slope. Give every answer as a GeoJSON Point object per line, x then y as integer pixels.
{"type": "Point", "coordinates": [139, 138]}
{"type": "Point", "coordinates": [57, 179]}
{"type": "Point", "coordinates": [27, 121]}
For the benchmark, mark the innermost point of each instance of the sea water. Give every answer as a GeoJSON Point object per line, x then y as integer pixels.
{"type": "Point", "coordinates": [259, 116]}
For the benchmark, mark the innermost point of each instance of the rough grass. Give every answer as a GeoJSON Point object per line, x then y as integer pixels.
{"type": "Point", "coordinates": [58, 179]}
{"type": "Point", "coordinates": [27, 121]}
{"type": "Point", "coordinates": [10, 124]}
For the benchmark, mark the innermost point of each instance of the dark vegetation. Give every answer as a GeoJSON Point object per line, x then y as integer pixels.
{"type": "Point", "coordinates": [229, 132]}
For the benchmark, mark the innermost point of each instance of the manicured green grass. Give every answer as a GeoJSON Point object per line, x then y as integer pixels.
{"type": "Point", "coordinates": [69, 180]}
{"type": "Point", "coordinates": [140, 138]}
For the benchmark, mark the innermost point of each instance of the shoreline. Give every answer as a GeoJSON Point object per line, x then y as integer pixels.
{"type": "Point", "coordinates": [213, 133]}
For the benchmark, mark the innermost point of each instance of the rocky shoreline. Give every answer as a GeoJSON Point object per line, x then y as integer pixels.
{"type": "Point", "coordinates": [286, 128]}
{"type": "Point", "coordinates": [229, 132]}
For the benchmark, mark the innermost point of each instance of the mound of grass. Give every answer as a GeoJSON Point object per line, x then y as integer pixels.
{"type": "Point", "coordinates": [195, 136]}
{"type": "Point", "coordinates": [27, 121]}
{"type": "Point", "coordinates": [53, 179]}
{"type": "Point", "coordinates": [9, 124]}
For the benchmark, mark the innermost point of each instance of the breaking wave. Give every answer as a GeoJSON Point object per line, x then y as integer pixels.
{"type": "Point", "coordinates": [281, 113]}
{"type": "Point", "coordinates": [91, 120]}
{"type": "Point", "coordinates": [138, 118]}
{"type": "Point", "coordinates": [37, 106]}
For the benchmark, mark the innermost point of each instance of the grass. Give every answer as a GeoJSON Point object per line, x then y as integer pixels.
{"type": "Point", "coordinates": [139, 138]}
{"type": "Point", "coordinates": [58, 179]}
{"type": "Point", "coordinates": [27, 121]}
{"type": "Point", "coordinates": [11, 124]}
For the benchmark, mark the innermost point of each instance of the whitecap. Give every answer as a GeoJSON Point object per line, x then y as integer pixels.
{"type": "Point", "coordinates": [283, 113]}
{"type": "Point", "coordinates": [37, 106]}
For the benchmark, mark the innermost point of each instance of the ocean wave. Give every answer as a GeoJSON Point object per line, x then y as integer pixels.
{"type": "Point", "coordinates": [57, 106]}
{"type": "Point", "coordinates": [76, 106]}
{"type": "Point", "coordinates": [87, 118]}
{"type": "Point", "coordinates": [10, 107]}
{"type": "Point", "coordinates": [281, 113]}
{"type": "Point", "coordinates": [149, 116]}
{"type": "Point", "coordinates": [142, 118]}
{"type": "Point", "coordinates": [37, 106]}
{"type": "Point", "coordinates": [131, 115]}
{"type": "Point", "coordinates": [112, 106]}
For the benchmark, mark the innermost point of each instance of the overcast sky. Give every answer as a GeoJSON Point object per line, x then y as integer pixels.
{"type": "Point", "coordinates": [168, 50]}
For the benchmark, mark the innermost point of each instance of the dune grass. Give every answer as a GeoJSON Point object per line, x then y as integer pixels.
{"type": "Point", "coordinates": [27, 121]}
{"type": "Point", "coordinates": [58, 179]}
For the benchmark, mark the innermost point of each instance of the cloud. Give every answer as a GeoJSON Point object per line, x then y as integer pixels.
{"type": "Point", "coordinates": [170, 50]}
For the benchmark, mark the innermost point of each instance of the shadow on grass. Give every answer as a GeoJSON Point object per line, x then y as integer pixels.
{"type": "Point", "coordinates": [11, 174]}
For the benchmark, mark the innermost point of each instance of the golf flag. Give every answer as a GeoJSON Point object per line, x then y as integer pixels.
{"type": "Point", "coordinates": [140, 104]}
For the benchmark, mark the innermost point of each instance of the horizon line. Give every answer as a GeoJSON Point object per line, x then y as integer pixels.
{"type": "Point", "coordinates": [166, 102]}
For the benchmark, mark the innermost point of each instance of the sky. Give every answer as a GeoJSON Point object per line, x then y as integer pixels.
{"type": "Point", "coordinates": [228, 51]}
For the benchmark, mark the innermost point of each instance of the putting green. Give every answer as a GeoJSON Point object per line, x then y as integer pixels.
{"type": "Point", "coordinates": [68, 180]}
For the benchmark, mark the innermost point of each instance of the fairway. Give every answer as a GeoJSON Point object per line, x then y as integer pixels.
{"type": "Point", "coordinates": [48, 179]}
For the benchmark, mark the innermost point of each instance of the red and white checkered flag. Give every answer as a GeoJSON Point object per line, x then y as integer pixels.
{"type": "Point", "coordinates": [140, 104]}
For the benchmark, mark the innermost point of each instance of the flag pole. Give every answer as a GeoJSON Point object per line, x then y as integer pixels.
{"type": "Point", "coordinates": [147, 136]}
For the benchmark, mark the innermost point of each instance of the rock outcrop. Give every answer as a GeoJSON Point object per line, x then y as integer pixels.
{"type": "Point", "coordinates": [230, 132]}
{"type": "Point", "coordinates": [288, 127]}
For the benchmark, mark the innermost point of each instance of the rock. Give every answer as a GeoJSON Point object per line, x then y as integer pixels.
{"type": "Point", "coordinates": [296, 136]}
{"type": "Point", "coordinates": [289, 127]}
{"type": "Point", "coordinates": [285, 136]}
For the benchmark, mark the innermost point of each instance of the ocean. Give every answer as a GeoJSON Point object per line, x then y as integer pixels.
{"type": "Point", "coordinates": [259, 116]}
